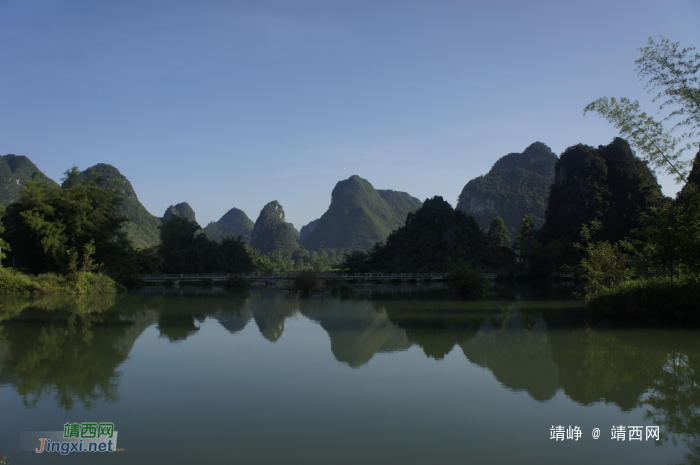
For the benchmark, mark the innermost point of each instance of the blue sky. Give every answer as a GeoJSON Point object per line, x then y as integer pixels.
{"type": "Point", "coordinates": [236, 104]}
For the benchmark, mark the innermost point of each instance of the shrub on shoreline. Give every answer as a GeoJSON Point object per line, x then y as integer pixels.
{"type": "Point", "coordinates": [648, 299]}
{"type": "Point", "coordinates": [304, 281]}
{"type": "Point", "coordinates": [466, 280]}
{"type": "Point", "coordinates": [16, 282]}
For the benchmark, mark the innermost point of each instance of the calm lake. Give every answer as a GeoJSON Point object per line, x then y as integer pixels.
{"type": "Point", "coordinates": [396, 374]}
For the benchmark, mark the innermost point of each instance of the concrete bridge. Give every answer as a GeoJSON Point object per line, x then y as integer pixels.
{"type": "Point", "coordinates": [274, 277]}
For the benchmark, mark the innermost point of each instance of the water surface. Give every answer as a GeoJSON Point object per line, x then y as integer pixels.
{"type": "Point", "coordinates": [395, 375]}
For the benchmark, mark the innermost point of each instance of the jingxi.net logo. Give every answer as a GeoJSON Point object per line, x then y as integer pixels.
{"type": "Point", "coordinates": [75, 437]}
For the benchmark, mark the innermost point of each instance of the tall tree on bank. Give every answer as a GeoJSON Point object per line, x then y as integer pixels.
{"type": "Point", "coordinates": [498, 233]}
{"type": "Point", "coordinates": [51, 228]}
{"type": "Point", "coordinates": [672, 74]}
{"type": "Point", "coordinates": [526, 233]}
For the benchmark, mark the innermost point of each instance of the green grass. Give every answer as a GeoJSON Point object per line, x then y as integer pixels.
{"type": "Point", "coordinates": [16, 282]}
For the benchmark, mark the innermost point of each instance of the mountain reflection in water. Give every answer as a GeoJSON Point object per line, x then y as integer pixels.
{"type": "Point", "coordinates": [71, 349]}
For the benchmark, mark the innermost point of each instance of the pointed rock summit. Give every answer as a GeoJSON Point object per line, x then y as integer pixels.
{"type": "Point", "coordinates": [181, 209]}
{"type": "Point", "coordinates": [233, 224]}
{"type": "Point", "coordinates": [359, 216]}
{"type": "Point", "coordinates": [271, 232]}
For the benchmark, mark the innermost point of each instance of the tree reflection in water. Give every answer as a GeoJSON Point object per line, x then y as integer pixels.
{"type": "Point", "coordinates": [68, 347]}
{"type": "Point", "coordinates": [71, 349]}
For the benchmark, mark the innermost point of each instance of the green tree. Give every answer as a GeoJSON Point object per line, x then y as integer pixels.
{"type": "Point", "coordinates": [533, 256]}
{"type": "Point", "coordinates": [355, 262]}
{"type": "Point", "coordinates": [4, 246]}
{"type": "Point", "coordinates": [465, 278]}
{"type": "Point", "coordinates": [605, 264]}
{"type": "Point", "coordinates": [498, 234]}
{"type": "Point", "coordinates": [177, 245]}
{"type": "Point", "coordinates": [185, 249]}
{"type": "Point", "coordinates": [434, 238]}
{"type": "Point", "coordinates": [672, 74]}
{"type": "Point", "coordinates": [526, 233]}
{"type": "Point", "coordinates": [672, 235]}
{"type": "Point", "coordinates": [68, 228]}
{"type": "Point", "coordinates": [671, 231]}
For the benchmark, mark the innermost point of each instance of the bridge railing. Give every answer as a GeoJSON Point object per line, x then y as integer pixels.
{"type": "Point", "coordinates": [288, 275]}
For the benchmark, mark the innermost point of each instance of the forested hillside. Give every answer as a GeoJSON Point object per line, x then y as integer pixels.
{"type": "Point", "coordinates": [15, 171]}
{"type": "Point", "coordinates": [271, 233]}
{"type": "Point", "coordinates": [233, 224]}
{"type": "Point", "coordinates": [359, 216]}
{"type": "Point", "coordinates": [609, 184]}
{"type": "Point", "coordinates": [434, 238]}
{"type": "Point", "coordinates": [181, 209]}
{"type": "Point", "coordinates": [517, 185]}
{"type": "Point", "coordinates": [142, 227]}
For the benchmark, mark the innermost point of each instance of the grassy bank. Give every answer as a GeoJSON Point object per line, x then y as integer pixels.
{"type": "Point", "coordinates": [648, 299]}
{"type": "Point", "coordinates": [16, 282]}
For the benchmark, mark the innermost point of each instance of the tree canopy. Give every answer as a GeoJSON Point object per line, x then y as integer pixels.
{"type": "Point", "coordinates": [186, 249]}
{"type": "Point", "coordinates": [671, 73]}
{"type": "Point", "coordinates": [498, 233]}
{"type": "Point", "coordinates": [434, 238]}
{"type": "Point", "coordinates": [52, 228]}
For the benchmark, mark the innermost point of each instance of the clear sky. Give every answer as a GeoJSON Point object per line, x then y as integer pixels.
{"type": "Point", "coordinates": [235, 104]}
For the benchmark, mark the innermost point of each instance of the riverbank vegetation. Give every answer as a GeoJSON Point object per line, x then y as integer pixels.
{"type": "Point", "coordinates": [660, 277]}
{"type": "Point", "coordinates": [16, 282]}
{"type": "Point", "coordinates": [304, 281]}
{"type": "Point", "coordinates": [466, 280]}
{"type": "Point", "coordinates": [68, 238]}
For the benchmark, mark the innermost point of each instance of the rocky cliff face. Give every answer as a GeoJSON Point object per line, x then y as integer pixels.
{"type": "Point", "coordinates": [271, 232]}
{"type": "Point", "coordinates": [517, 185]}
{"type": "Point", "coordinates": [359, 216]}
{"type": "Point", "coordinates": [233, 224]}
{"type": "Point", "coordinates": [142, 228]}
{"type": "Point", "coordinates": [308, 229]}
